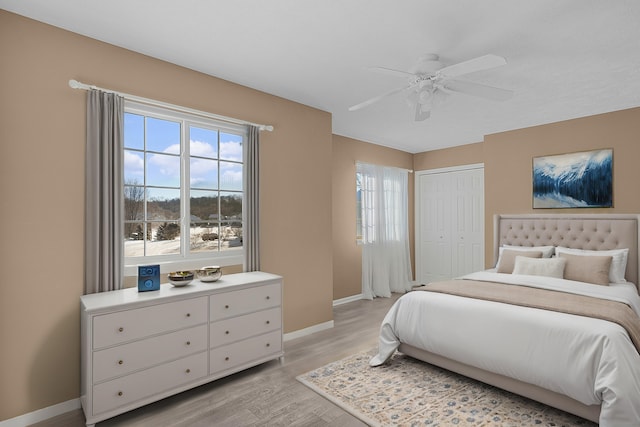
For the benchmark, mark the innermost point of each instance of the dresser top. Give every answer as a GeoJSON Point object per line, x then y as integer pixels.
{"type": "Point", "coordinates": [131, 296]}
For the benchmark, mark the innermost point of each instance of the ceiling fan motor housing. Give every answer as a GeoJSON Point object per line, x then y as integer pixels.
{"type": "Point", "coordinates": [427, 64]}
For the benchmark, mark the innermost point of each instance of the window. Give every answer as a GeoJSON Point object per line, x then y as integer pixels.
{"type": "Point", "coordinates": [183, 188]}
{"type": "Point", "coordinates": [381, 202]}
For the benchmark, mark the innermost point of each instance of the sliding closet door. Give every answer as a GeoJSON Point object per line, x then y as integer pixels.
{"type": "Point", "coordinates": [449, 222]}
{"type": "Point", "coordinates": [433, 254]}
{"type": "Point", "coordinates": [468, 222]}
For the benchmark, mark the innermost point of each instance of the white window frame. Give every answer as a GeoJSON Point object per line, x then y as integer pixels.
{"type": "Point", "coordinates": [186, 260]}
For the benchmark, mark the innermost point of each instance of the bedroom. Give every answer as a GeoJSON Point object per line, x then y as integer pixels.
{"type": "Point", "coordinates": [40, 320]}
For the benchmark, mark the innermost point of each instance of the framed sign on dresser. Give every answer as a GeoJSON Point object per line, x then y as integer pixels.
{"type": "Point", "coordinates": [137, 348]}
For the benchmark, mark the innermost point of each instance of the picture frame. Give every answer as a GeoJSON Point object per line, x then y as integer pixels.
{"type": "Point", "coordinates": [148, 278]}
{"type": "Point", "coordinates": [574, 180]}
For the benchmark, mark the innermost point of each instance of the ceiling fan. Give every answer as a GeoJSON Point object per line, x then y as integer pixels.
{"type": "Point", "coordinates": [429, 79]}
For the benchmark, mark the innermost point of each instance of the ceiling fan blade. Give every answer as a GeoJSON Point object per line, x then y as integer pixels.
{"type": "Point", "coordinates": [391, 72]}
{"type": "Point", "coordinates": [376, 98]}
{"type": "Point", "coordinates": [477, 89]}
{"type": "Point", "coordinates": [472, 65]}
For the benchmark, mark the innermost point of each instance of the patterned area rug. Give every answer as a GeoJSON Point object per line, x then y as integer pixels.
{"type": "Point", "coordinates": [407, 392]}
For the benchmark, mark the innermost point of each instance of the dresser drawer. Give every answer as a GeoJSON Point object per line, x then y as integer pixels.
{"type": "Point", "coordinates": [123, 326]}
{"type": "Point", "coordinates": [238, 328]}
{"type": "Point", "coordinates": [239, 353]}
{"type": "Point", "coordinates": [116, 361]}
{"type": "Point", "coordinates": [244, 301]}
{"type": "Point", "coordinates": [112, 394]}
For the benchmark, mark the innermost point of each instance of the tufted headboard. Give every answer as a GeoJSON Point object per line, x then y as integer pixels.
{"type": "Point", "coordinates": [578, 231]}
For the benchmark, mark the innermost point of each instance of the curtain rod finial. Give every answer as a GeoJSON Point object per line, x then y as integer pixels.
{"type": "Point", "coordinates": [74, 84]}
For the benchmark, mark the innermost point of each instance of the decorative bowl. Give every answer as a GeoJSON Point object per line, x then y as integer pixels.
{"type": "Point", "coordinates": [209, 274]}
{"type": "Point", "coordinates": [180, 278]}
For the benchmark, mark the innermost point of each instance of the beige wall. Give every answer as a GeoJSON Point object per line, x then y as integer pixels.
{"type": "Point", "coordinates": [449, 157]}
{"type": "Point", "coordinates": [42, 135]}
{"type": "Point", "coordinates": [347, 256]}
{"type": "Point", "coordinates": [508, 158]}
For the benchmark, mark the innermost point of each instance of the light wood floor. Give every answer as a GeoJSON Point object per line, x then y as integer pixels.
{"type": "Point", "coordinates": [267, 395]}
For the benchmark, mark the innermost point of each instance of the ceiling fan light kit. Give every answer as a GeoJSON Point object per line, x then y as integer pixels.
{"type": "Point", "coordinates": [428, 78]}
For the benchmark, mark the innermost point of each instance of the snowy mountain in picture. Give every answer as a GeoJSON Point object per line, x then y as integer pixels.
{"type": "Point", "coordinates": [575, 180]}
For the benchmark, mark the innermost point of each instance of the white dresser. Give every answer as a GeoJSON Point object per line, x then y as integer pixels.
{"type": "Point", "coordinates": [139, 347]}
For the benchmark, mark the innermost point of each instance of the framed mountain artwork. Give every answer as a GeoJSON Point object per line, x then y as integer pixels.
{"type": "Point", "coordinates": [574, 180]}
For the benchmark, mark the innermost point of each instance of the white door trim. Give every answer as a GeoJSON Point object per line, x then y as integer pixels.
{"type": "Point", "coordinates": [449, 169]}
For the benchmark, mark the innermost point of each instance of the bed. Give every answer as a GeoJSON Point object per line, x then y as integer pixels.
{"type": "Point", "coordinates": [586, 366]}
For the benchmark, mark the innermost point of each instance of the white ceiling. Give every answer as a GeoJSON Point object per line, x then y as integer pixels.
{"type": "Point", "coordinates": [566, 58]}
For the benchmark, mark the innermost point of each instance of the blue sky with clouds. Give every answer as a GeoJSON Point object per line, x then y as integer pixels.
{"type": "Point", "coordinates": [163, 163]}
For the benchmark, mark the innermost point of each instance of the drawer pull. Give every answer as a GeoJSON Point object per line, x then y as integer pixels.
{"type": "Point", "coordinates": [268, 345]}
{"type": "Point", "coordinates": [120, 393]}
{"type": "Point", "coordinates": [120, 362]}
{"type": "Point", "coordinates": [188, 342]}
{"type": "Point", "coordinates": [188, 314]}
{"type": "Point", "coordinates": [226, 332]}
{"type": "Point", "coordinates": [188, 371]}
{"type": "Point", "coordinates": [268, 297]}
{"type": "Point", "coordinates": [226, 306]}
{"type": "Point", "coordinates": [226, 359]}
{"type": "Point", "coordinates": [268, 322]}
{"type": "Point", "coordinates": [120, 329]}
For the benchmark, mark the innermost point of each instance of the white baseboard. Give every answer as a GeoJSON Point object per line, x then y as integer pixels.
{"type": "Point", "coordinates": [347, 299]}
{"type": "Point", "coordinates": [42, 414]}
{"type": "Point", "coordinates": [321, 326]}
{"type": "Point", "coordinates": [306, 331]}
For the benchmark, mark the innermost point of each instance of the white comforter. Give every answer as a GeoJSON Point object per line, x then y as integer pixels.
{"type": "Point", "coordinates": [592, 361]}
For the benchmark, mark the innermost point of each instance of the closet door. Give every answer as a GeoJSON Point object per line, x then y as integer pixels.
{"type": "Point", "coordinates": [468, 222]}
{"type": "Point", "coordinates": [449, 222]}
{"type": "Point", "coordinates": [433, 260]}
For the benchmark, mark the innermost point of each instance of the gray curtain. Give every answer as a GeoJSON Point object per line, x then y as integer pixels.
{"type": "Point", "coordinates": [103, 192]}
{"type": "Point", "coordinates": [251, 233]}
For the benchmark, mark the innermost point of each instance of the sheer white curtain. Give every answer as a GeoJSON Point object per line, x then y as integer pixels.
{"type": "Point", "coordinates": [386, 264]}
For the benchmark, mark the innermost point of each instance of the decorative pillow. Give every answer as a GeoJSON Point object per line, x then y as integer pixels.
{"type": "Point", "coordinates": [550, 267]}
{"type": "Point", "coordinates": [547, 251]}
{"type": "Point", "coordinates": [508, 257]}
{"type": "Point", "coordinates": [590, 269]}
{"type": "Point", "coordinates": [618, 260]}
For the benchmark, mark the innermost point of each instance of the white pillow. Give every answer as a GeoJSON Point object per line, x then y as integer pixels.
{"type": "Point", "coordinates": [618, 260]}
{"type": "Point", "coordinates": [550, 267]}
{"type": "Point", "coordinates": [547, 251]}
